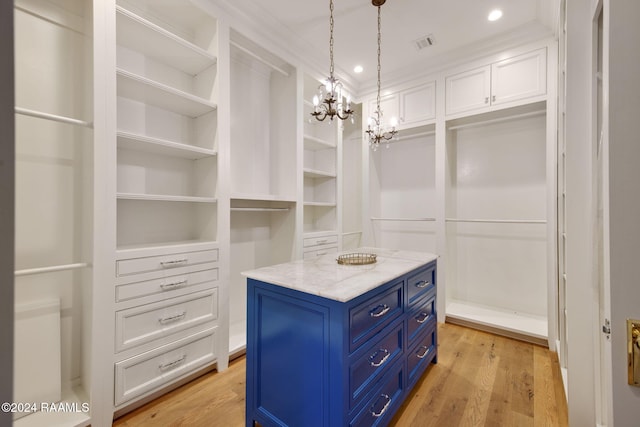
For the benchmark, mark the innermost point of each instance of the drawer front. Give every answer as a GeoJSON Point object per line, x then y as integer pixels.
{"type": "Point", "coordinates": [421, 318]}
{"type": "Point", "coordinates": [381, 405]}
{"type": "Point", "coordinates": [166, 286]}
{"type": "Point", "coordinates": [319, 252]}
{"type": "Point", "coordinates": [169, 262]}
{"type": "Point", "coordinates": [150, 370]}
{"type": "Point", "coordinates": [321, 240]}
{"type": "Point", "coordinates": [366, 319]}
{"type": "Point", "coordinates": [372, 363]}
{"type": "Point", "coordinates": [421, 354]}
{"type": "Point", "coordinates": [145, 323]}
{"type": "Point", "coordinates": [420, 283]}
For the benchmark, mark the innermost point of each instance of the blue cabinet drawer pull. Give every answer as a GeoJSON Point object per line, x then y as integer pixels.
{"type": "Point", "coordinates": [424, 318]}
{"type": "Point", "coordinates": [384, 358]}
{"type": "Point", "coordinates": [423, 284]}
{"type": "Point", "coordinates": [384, 408]}
{"type": "Point", "coordinates": [426, 351]}
{"type": "Point", "coordinates": [379, 310]}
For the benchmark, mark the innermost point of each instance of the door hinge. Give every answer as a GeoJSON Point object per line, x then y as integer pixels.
{"type": "Point", "coordinates": [606, 328]}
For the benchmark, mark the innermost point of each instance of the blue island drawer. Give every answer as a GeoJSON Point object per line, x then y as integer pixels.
{"type": "Point", "coordinates": [421, 354]}
{"type": "Point", "coordinates": [371, 363]}
{"type": "Point", "coordinates": [421, 283]}
{"type": "Point", "coordinates": [421, 317]}
{"type": "Point", "coordinates": [368, 318]}
{"type": "Point", "coordinates": [382, 404]}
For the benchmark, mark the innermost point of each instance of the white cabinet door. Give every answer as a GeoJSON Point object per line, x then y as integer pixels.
{"type": "Point", "coordinates": [520, 77]}
{"type": "Point", "coordinates": [418, 104]}
{"type": "Point", "coordinates": [468, 90]}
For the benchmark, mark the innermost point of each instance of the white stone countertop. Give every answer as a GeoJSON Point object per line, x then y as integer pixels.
{"type": "Point", "coordinates": [324, 277]}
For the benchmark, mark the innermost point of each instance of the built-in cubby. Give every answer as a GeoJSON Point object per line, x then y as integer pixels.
{"type": "Point", "coordinates": [54, 175]}
{"type": "Point", "coordinates": [263, 169]}
{"type": "Point", "coordinates": [496, 216]}
{"type": "Point", "coordinates": [403, 176]}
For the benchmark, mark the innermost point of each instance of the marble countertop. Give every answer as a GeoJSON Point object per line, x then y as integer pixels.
{"type": "Point", "coordinates": [324, 277]}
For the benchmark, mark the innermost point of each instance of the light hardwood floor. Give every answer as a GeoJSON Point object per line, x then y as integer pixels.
{"type": "Point", "coordinates": [480, 379]}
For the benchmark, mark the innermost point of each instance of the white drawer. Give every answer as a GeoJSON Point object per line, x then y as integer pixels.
{"type": "Point", "coordinates": [319, 252]}
{"type": "Point", "coordinates": [321, 240]}
{"type": "Point", "coordinates": [145, 323]}
{"type": "Point", "coordinates": [145, 372]}
{"type": "Point", "coordinates": [166, 262]}
{"type": "Point", "coordinates": [166, 286]}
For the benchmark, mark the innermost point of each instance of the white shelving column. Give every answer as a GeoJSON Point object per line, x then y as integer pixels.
{"type": "Point", "coordinates": [169, 299]}
{"type": "Point", "coordinates": [262, 169]}
{"type": "Point", "coordinates": [54, 211]}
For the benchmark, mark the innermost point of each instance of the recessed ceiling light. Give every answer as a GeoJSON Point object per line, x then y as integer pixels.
{"type": "Point", "coordinates": [358, 69]}
{"type": "Point", "coordinates": [494, 15]}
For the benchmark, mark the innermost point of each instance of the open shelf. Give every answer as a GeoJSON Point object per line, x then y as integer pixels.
{"type": "Point", "coordinates": [313, 143]}
{"type": "Point", "coordinates": [165, 198]}
{"type": "Point", "coordinates": [314, 173]}
{"type": "Point", "coordinates": [150, 92]}
{"type": "Point", "coordinates": [137, 33]}
{"type": "Point", "coordinates": [131, 141]}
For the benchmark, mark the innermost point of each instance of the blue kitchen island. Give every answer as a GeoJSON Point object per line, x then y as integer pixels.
{"type": "Point", "coordinates": [338, 345]}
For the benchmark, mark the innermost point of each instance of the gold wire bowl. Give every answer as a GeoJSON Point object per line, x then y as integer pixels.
{"type": "Point", "coordinates": [356, 259]}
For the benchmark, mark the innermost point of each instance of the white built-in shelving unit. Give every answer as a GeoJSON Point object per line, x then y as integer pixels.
{"type": "Point", "coordinates": [263, 178]}
{"type": "Point", "coordinates": [168, 310]}
{"type": "Point", "coordinates": [321, 153]}
{"type": "Point", "coordinates": [54, 145]}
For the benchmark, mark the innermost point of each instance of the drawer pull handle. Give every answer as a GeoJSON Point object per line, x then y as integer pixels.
{"type": "Point", "coordinates": [379, 310]}
{"type": "Point", "coordinates": [423, 355]}
{"type": "Point", "coordinates": [173, 364]}
{"type": "Point", "coordinates": [321, 241]}
{"type": "Point", "coordinates": [423, 284]}
{"type": "Point", "coordinates": [170, 319]}
{"type": "Point", "coordinates": [173, 263]}
{"type": "Point", "coordinates": [425, 316]}
{"type": "Point", "coordinates": [321, 253]}
{"type": "Point", "coordinates": [169, 286]}
{"type": "Point", "coordinates": [384, 358]}
{"type": "Point", "coordinates": [384, 408]}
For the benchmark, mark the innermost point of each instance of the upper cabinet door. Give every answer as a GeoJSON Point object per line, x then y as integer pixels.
{"type": "Point", "coordinates": [520, 77]}
{"type": "Point", "coordinates": [418, 104]}
{"type": "Point", "coordinates": [468, 90]}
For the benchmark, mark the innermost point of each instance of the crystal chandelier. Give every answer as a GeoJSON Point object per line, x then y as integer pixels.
{"type": "Point", "coordinates": [377, 132]}
{"type": "Point", "coordinates": [329, 102]}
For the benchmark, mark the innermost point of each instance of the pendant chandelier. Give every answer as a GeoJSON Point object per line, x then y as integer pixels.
{"type": "Point", "coordinates": [329, 102]}
{"type": "Point", "coordinates": [377, 132]}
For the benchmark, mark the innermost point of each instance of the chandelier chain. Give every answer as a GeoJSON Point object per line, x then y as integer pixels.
{"type": "Point", "coordinates": [331, 68]}
{"type": "Point", "coordinates": [379, 67]}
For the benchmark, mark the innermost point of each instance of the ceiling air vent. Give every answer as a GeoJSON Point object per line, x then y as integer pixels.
{"type": "Point", "coordinates": [424, 42]}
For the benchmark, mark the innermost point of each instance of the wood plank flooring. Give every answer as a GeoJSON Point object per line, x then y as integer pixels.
{"type": "Point", "coordinates": [480, 379]}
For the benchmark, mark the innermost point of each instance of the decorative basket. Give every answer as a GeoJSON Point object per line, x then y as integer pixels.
{"type": "Point", "coordinates": [356, 259]}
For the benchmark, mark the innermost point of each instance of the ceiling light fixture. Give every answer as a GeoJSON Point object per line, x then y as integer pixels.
{"type": "Point", "coordinates": [358, 69]}
{"type": "Point", "coordinates": [379, 133]}
{"type": "Point", "coordinates": [494, 15]}
{"type": "Point", "coordinates": [329, 102]}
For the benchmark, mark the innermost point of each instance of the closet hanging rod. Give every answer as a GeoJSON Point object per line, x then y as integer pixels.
{"type": "Point", "coordinates": [500, 221]}
{"type": "Point", "coordinates": [259, 58]}
{"type": "Point", "coordinates": [260, 209]}
{"type": "Point", "coordinates": [401, 219]}
{"type": "Point", "coordinates": [416, 135]}
{"type": "Point", "coordinates": [39, 270]}
{"type": "Point", "coordinates": [350, 233]}
{"type": "Point", "coordinates": [54, 117]}
{"type": "Point", "coordinates": [498, 120]}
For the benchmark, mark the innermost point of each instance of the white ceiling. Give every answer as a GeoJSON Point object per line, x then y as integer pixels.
{"type": "Point", "coordinates": [459, 27]}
